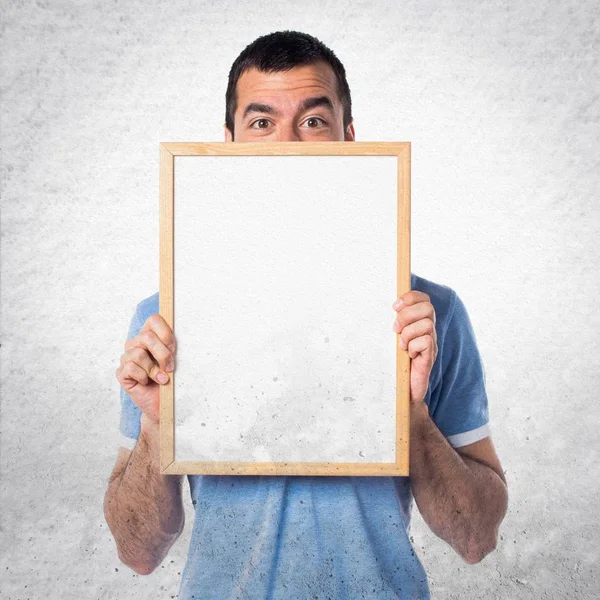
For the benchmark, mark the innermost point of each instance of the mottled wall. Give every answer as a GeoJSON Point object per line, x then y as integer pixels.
{"type": "Point", "coordinates": [501, 103]}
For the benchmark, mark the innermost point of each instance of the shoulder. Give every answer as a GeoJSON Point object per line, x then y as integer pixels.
{"type": "Point", "coordinates": [456, 396]}
{"type": "Point", "coordinates": [442, 297]}
{"type": "Point", "coordinates": [453, 324]}
{"type": "Point", "coordinates": [148, 306]}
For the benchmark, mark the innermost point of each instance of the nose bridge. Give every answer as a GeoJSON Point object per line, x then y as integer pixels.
{"type": "Point", "coordinates": [287, 131]}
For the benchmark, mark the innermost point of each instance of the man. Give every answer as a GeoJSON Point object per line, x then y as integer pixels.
{"type": "Point", "coordinates": [312, 537]}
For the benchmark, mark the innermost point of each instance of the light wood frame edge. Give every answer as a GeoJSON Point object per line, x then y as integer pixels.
{"type": "Point", "coordinates": [166, 308]}
{"type": "Point", "coordinates": [403, 282]}
{"type": "Point", "coordinates": [168, 151]}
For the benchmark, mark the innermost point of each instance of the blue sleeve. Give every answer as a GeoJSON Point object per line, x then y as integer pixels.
{"type": "Point", "coordinates": [460, 409]}
{"type": "Point", "coordinates": [130, 414]}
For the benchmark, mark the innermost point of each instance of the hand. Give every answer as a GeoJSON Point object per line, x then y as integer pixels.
{"type": "Point", "coordinates": [415, 322]}
{"type": "Point", "coordinates": [147, 359]}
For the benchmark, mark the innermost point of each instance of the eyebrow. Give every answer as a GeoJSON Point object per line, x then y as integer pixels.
{"type": "Point", "coordinates": [306, 105]}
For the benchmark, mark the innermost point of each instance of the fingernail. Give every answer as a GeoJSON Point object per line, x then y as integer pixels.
{"type": "Point", "coordinates": [397, 304]}
{"type": "Point", "coordinates": [402, 343]}
{"type": "Point", "coordinates": [169, 367]}
{"type": "Point", "coordinates": [162, 377]}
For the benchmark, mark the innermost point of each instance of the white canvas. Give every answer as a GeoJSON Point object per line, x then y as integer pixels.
{"type": "Point", "coordinates": [285, 272]}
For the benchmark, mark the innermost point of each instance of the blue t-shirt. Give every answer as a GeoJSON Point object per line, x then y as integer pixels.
{"type": "Point", "coordinates": [302, 537]}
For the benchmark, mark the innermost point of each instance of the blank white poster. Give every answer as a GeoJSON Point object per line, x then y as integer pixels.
{"type": "Point", "coordinates": [284, 276]}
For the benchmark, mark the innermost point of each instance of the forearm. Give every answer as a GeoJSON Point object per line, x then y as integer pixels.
{"type": "Point", "coordinates": [142, 507]}
{"type": "Point", "coordinates": [462, 500]}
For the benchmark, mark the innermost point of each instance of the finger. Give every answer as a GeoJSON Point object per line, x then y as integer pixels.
{"type": "Point", "coordinates": [410, 298]}
{"type": "Point", "coordinates": [161, 328]}
{"type": "Point", "coordinates": [411, 314]}
{"type": "Point", "coordinates": [130, 374]}
{"type": "Point", "coordinates": [139, 359]}
{"type": "Point", "coordinates": [415, 330]}
{"type": "Point", "coordinates": [150, 343]}
{"type": "Point", "coordinates": [422, 345]}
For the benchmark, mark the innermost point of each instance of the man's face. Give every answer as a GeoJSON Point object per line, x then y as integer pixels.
{"type": "Point", "coordinates": [299, 105]}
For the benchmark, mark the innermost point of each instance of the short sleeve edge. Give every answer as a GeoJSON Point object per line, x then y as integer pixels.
{"type": "Point", "coordinates": [469, 437]}
{"type": "Point", "coordinates": [127, 441]}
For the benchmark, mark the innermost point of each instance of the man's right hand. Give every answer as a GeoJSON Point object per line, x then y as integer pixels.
{"type": "Point", "coordinates": [137, 492]}
{"type": "Point", "coordinates": [147, 359]}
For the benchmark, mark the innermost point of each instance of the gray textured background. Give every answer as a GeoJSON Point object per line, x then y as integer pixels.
{"type": "Point", "coordinates": [500, 101]}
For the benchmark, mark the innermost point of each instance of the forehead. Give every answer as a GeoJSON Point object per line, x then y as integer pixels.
{"type": "Point", "coordinates": [314, 79]}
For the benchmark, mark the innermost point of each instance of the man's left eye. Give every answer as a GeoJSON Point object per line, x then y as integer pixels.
{"type": "Point", "coordinates": [315, 119]}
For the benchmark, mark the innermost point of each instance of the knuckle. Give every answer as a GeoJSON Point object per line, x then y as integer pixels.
{"type": "Point", "coordinates": [162, 358]}
{"type": "Point", "coordinates": [125, 371]}
{"type": "Point", "coordinates": [417, 296]}
{"type": "Point", "coordinates": [138, 355]}
{"type": "Point", "coordinates": [154, 320]}
{"type": "Point", "coordinates": [153, 370]}
{"type": "Point", "coordinates": [129, 368]}
{"type": "Point", "coordinates": [149, 338]}
{"type": "Point", "coordinates": [431, 311]}
{"type": "Point", "coordinates": [144, 337]}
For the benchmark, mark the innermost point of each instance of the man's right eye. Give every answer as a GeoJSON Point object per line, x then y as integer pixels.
{"type": "Point", "coordinates": [259, 121]}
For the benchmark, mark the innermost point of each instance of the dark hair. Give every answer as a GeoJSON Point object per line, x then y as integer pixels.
{"type": "Point", "coordinates": [281, 51]}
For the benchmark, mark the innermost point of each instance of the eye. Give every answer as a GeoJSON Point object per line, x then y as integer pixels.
{"type": "Point", "coordinates": [315, 119]}
{"type": "Point", "coordinates": [259, 121]}
{"type": "Point", "coordinates": [266, 121]}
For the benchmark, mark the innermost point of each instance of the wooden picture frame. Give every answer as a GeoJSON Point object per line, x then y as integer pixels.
{"type": "Point", "coordinates": [195, 215]}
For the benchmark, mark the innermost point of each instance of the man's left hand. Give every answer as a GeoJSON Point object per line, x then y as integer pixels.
{"type": "Point", "coordinates": [415, 322]}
